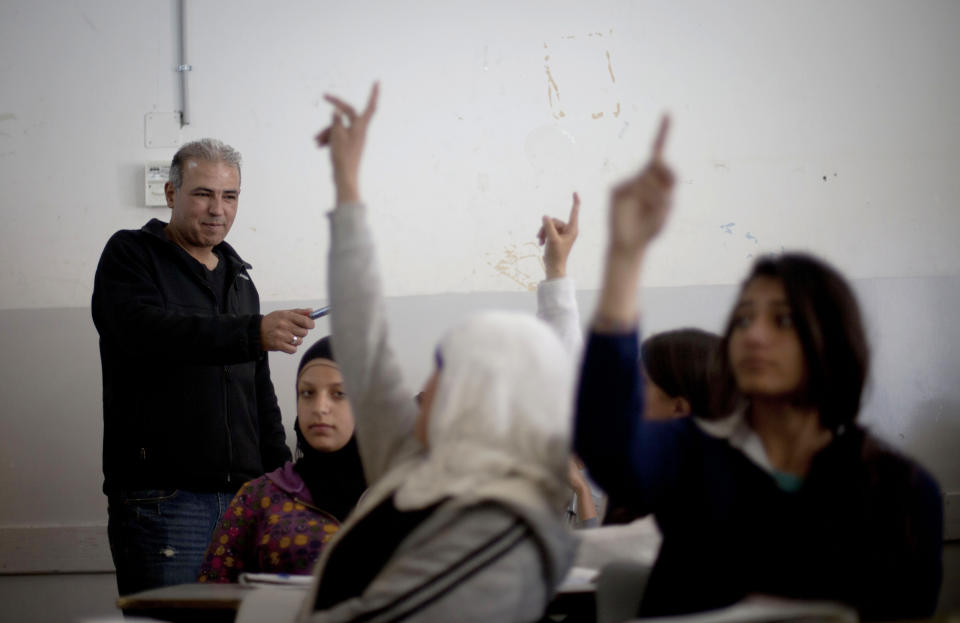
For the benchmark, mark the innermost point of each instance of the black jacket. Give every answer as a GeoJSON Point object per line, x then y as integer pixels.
{"type": "Point", "coordinates": [187, 397]}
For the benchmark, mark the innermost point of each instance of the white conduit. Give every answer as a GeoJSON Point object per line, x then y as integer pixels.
{"type": "Point", "coordinates": [184, 67]}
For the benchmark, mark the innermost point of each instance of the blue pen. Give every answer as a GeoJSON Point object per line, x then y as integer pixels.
{"type": "Point", "coordinates": [321, 312]}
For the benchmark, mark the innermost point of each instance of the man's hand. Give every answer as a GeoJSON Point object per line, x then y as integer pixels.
{"type": "Point", "coordinates": [559, 238]}
{"type": "Point", "coordinates": [284, 330]}
{"type": "Point", "coordinates": [346, 143]}
{"type": "Point", "coordinates": [639, 206]}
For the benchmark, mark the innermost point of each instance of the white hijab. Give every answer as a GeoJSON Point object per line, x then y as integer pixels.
{"type": "Point", "coordinates": [501, 414]}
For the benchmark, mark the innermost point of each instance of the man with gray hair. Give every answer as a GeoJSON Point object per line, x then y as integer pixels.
{"type": "Point", "coordinates": [189, 410]}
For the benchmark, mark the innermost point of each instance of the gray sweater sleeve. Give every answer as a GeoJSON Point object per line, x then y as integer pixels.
{"type": "Point", "coordinates": [383, 408]}
{"type": "Point", "coordinates": [482, 564]}
{"type": "Point", "coordinates": [557, 306]}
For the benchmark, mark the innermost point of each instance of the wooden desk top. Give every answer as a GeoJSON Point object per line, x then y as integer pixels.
{"type": "Point", "coordinates": [195, 596]}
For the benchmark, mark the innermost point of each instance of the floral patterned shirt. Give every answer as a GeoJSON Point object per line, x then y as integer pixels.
{"type": "Point", "coordinates": [266, 530]}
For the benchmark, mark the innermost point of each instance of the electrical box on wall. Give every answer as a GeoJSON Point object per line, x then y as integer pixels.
{"type": "Point", "coordinates": [155, 175]}
{"type": "Point", "coordinates": [161, 129]}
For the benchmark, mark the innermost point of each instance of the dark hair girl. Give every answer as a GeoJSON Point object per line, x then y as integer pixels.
{"type": "Point", "coordinates": [680, 370]}
{"type": "Point", "coordinates": [787, 496]}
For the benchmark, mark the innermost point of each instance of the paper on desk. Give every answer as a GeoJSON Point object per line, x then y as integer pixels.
{"type": "Point", "coordinates": [273, 602]}
{"type": "Point", "coordinates": [276, 579]}
{"type": "Point", "coordinates": [578, 579]}
{"type": "Point", "coordinates": [638, 541]}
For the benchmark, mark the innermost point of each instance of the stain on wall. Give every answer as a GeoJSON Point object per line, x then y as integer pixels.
{"type": "Point", "coordinates": [520, 263]}
{"type": "Point", "coordinates": [553, 89]}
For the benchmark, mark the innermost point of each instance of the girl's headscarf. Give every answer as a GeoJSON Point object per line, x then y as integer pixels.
{"type": "Point", "coordinates": [501, 412]}
{"type": "Point", "coordinates": [335, 479]}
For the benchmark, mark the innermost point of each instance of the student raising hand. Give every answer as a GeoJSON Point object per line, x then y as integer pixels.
{"type": "Point", "coordinates": [556, 295]}
{"type": "Point", "coordinates": [559, 236]}
{"type": "Point", "coordinates": [346, 140]}
{"type": "Point", "coordinates": [639, 205]}
{"type": "Point", "coordinates": [638, 210]}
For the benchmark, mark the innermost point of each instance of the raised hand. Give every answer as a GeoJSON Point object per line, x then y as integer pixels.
{"type": "Point", "coordinates": [559, 236]}
{"type": "Point", "coordinates": [284, 330]}
{"type": "Point", "coordinates": [639, 205]}
{"type": "Point", "coordinates": [346, 140]}
{"type": "Point", "coordinates": [638, 210]}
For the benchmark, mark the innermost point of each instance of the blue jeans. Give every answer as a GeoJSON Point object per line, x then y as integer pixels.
{"type": "Point", "coordinates": [159, 537]}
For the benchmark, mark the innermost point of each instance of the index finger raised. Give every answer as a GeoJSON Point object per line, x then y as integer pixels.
{"type": "Point", "coordinates": [372, 102]}
{"type": "Point", "coordinates": [661, 140]}
{"type": "Point", "coordinates": [574, 211]}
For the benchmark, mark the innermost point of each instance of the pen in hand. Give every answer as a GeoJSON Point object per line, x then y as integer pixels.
{"type": "Point", "coordinates": [320, 312]}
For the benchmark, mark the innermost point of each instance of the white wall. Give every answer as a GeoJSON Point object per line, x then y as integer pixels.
{"type": "Point", "coordinates": [469, 146]}
{"type": "Point", "coordinates": [490, 115]}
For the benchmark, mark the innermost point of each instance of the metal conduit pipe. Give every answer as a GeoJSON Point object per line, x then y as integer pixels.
{"type": "Point", "coordinates": [184, 67]}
